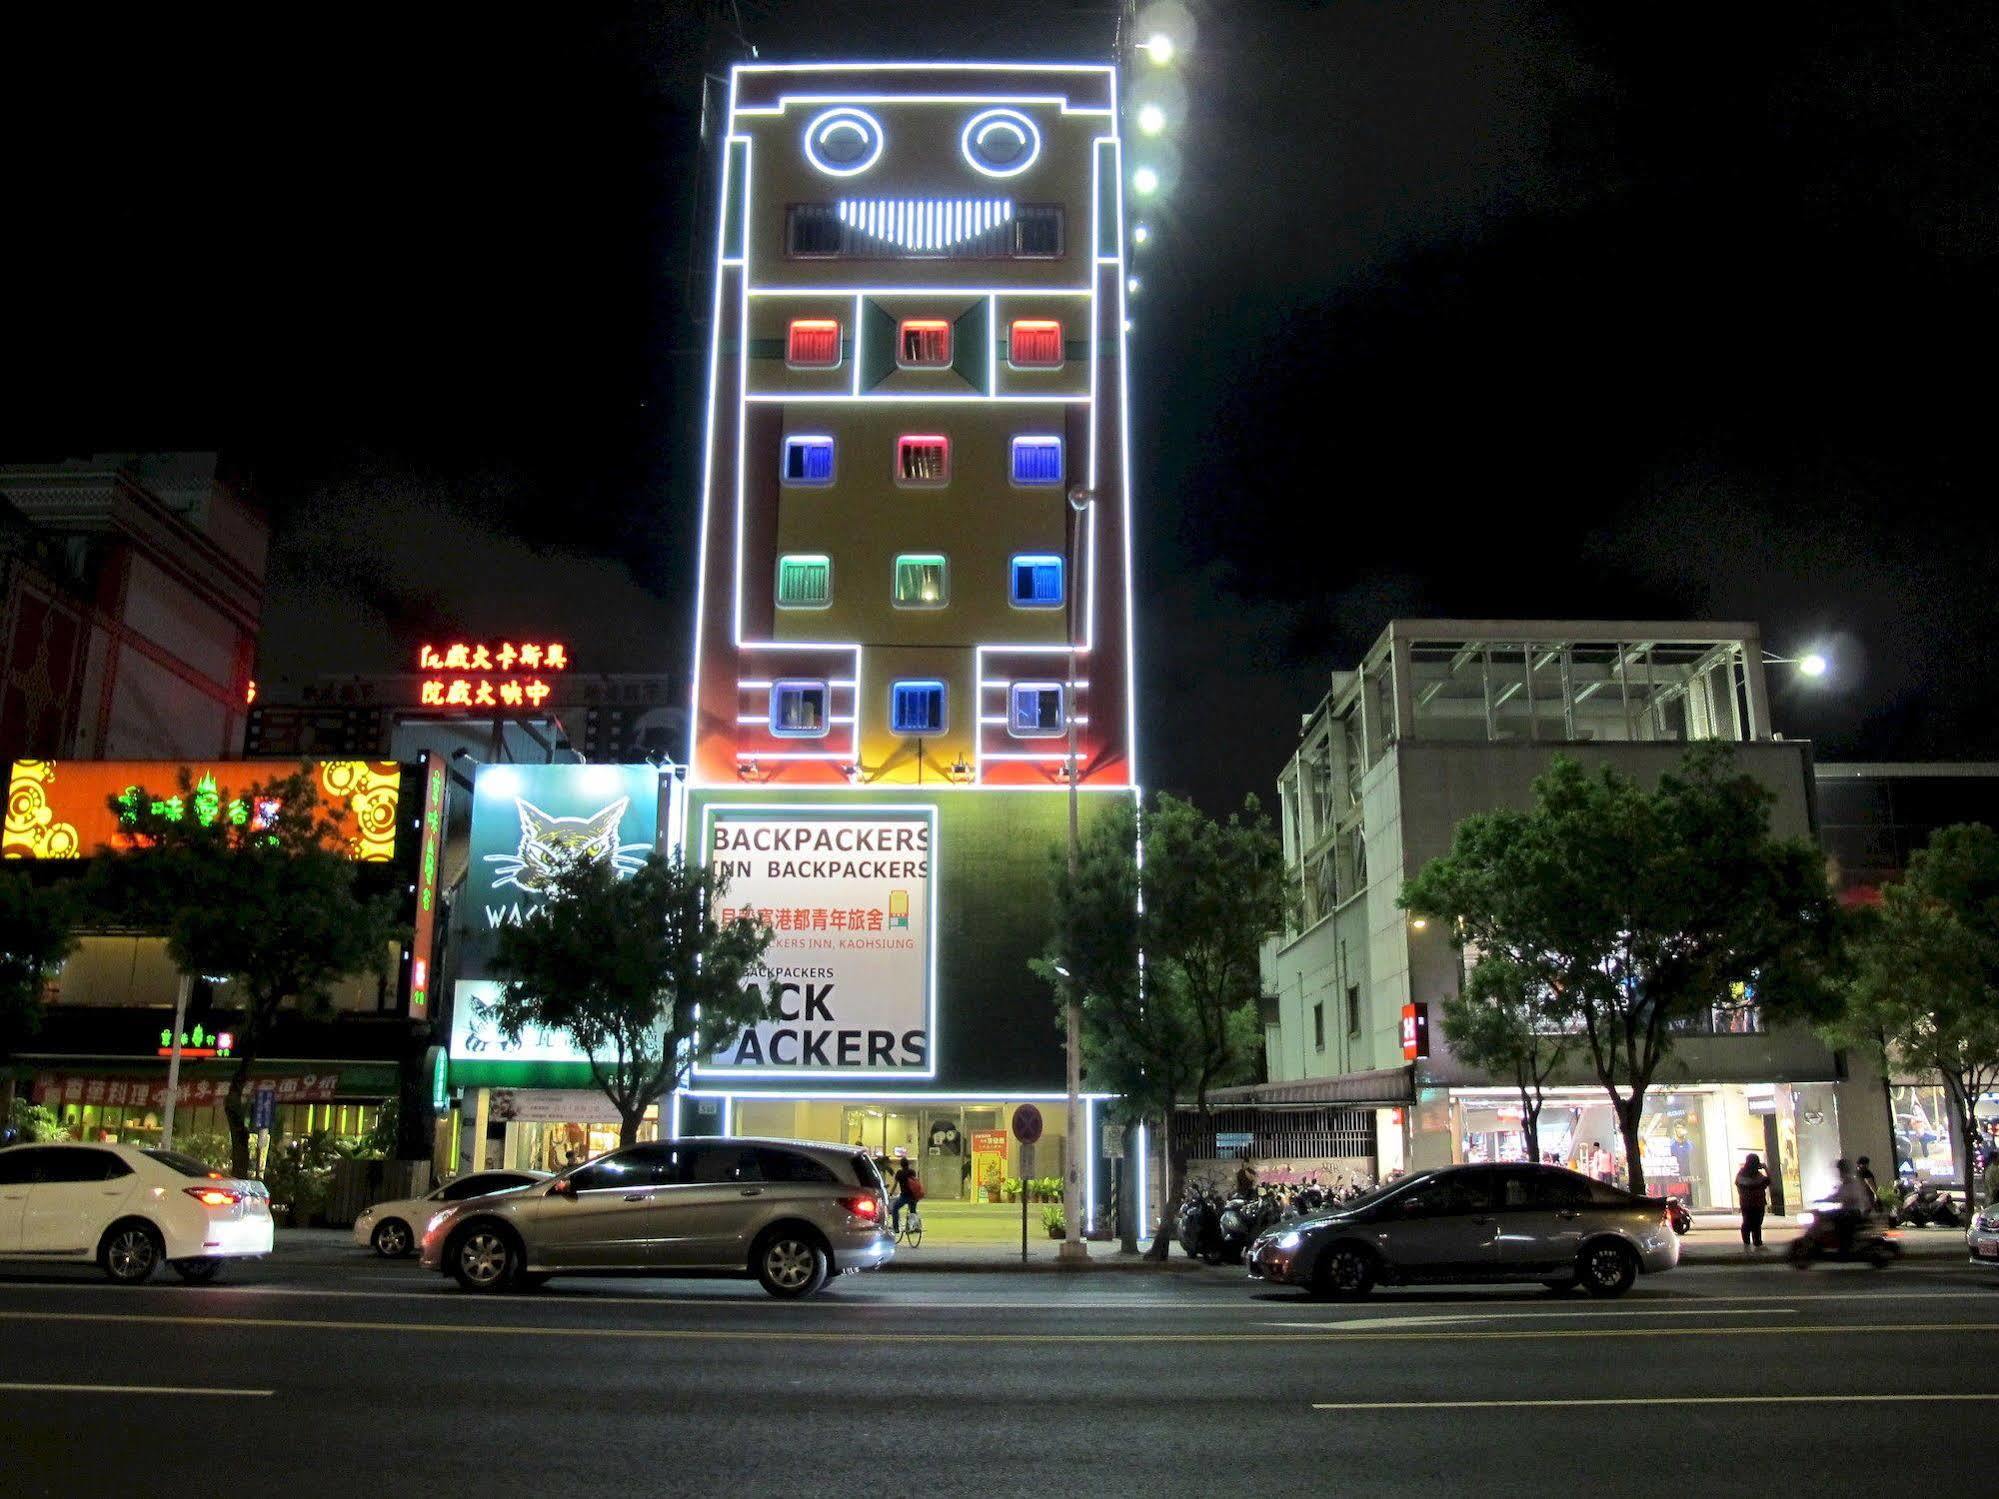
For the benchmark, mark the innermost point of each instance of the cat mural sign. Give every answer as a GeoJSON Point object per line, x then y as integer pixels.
{"type": "Point", "coordinates": [527, 820]}
{"type": "Point", "coordinates": [849, 895]}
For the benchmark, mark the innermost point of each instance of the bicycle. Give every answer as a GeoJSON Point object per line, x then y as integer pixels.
{"type": "Point", "coordinates": [910, 1231]}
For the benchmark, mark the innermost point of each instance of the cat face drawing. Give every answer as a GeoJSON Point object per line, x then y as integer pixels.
{"type": "Point", "coordinates": [549, 843]}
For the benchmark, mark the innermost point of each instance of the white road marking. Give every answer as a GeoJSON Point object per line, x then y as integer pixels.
{"type": "Point", "coordinates": [1676, 1311]}
{"type": "Point", "coordinates": [1579, 1404]}
{"type": "Point", "coordinates": [131, 1389]}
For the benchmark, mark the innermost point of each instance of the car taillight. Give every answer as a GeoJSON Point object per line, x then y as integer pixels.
{"type": "Point", "coordinates": [862, 1207]}
{"type": "Point", "coordinates": [214, 1197]}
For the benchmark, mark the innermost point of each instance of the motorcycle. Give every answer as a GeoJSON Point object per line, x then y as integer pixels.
{"type": "Point", "coordinates": [1243, 1218]}
{"type": "Point", "coordinates": [1683, 1219]}
{"type": "Point", "coordinates": [1872, 1243]}
{"type": "Point", "coordinates": [1199, 1227]}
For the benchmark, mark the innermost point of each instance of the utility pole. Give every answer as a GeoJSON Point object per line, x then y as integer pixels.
{"type": "Point", "coordinates": [1074, 1249]}
{"type": "Point", "coordinates": [181, 995]}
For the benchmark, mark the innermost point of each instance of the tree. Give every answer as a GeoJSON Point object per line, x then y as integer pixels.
{"type": "Point", "coordinates": [35, 937]}
{"type": "Point", "coordinates": [1635, 914]}
{"type": "Point", "coordinates": [1505, 1022]}
{"type": "Point", "coordinates": [256, 884]}
{"type": "Point", "coordinates": [1168, 1030]}
{"type": "Point", "coordinates": [1925, 971]}
{"type": "Point", "coordinates": [637, 971]}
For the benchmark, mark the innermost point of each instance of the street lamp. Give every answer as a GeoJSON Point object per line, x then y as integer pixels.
{"type": "Point", "coordinates": [1151, 119]}
{"type": "Point", "coordinates": [1140, 233]}
{"type": "Point", "coordinates": [1145, 181]}
{"type": "Point", "coordinates": [1813, 665]}
{"type": "Point", "coordinates": [1159, 47]}
{"type": "Point", "coordinates": [1074, 1248]}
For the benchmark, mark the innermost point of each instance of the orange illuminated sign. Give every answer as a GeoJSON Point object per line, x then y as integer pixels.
{"type": "Point", "coordinates": [483, 674]}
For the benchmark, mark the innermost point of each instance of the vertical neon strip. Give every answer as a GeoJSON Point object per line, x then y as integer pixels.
{"type": "Point", "coordinates": [1089, 1148]}
{"type": "Point", "coordinates": [1144, 1181]}
{"type": "Point", "coordinates": [742, 387]}
{"type": "Point", "coordinates": [857, 343]}
{"type": "Point", "coordinates": [992, 346]}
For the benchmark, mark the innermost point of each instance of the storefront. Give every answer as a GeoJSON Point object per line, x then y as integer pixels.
{"type": "Point", "coordinates": [1929, 1144]}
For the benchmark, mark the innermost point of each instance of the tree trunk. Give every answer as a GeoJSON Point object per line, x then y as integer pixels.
{"type": "Point", "coordinates": [1964, 1104]}
{"type": "Point", "coordinates": [629, 1121]}
{"type": "Point", "coordinates": [1629, 1111]}
{"type": "Point", "coordinates": [232, 1106]}
{"type": "Point", "coordinates": [1530, 1125]}
{"type": "Point", "coordinates": [1127, 1197]}
{"type": "Point", "coordinates": [1162, 1242]}
{"type": "Point", "coordinates": [6, 1093]}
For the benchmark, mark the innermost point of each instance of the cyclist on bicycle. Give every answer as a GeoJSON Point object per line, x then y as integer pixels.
{"type": "Point", "coordinates": [908, 1192]}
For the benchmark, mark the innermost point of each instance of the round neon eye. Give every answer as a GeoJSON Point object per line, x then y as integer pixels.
{"type": "Point", "coordinates": [1001, 142]}
{"type": "Point", "coordinates": [844, 142]}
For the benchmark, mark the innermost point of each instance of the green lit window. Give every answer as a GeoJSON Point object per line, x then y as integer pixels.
{"type": "Point", "coordinates": [921, 581]}
{"type": "Point", "coordinates": [804, 582]}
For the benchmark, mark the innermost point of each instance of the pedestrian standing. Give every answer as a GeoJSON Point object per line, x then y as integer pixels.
{"type": "Point", "coordinates": [1752, 1189]}
{"type": "Point", "coordinates": [1865, 1175]}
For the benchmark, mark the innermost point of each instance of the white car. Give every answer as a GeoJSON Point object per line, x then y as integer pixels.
{"type": "Point", "coordinates": [1982, 1237]}
{"type": "Point", "coordinates": [394, 1229]}
{"type": "Point", "coordinates": [128, 1209]}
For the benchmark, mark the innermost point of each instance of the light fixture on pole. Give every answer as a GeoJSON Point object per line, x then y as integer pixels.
{"type": "Point", "coordinates": [1813, 665]}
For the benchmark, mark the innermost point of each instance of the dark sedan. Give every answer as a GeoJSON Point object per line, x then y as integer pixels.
{"type": "Point", "coordinates": [1474, 1223]}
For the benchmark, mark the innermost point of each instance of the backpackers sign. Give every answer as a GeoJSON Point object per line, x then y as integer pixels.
{"type": "Point", "coordinates": [852, 966]}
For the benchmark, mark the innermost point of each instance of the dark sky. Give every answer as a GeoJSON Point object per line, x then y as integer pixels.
{"type": "Point", "coordinates": [1458, 308]}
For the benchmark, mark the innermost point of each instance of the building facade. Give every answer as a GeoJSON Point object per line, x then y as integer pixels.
{"type": "Point", "coordinates": [1443, 719]}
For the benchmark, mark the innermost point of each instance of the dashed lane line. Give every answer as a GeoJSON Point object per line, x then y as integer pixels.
{"type": "Point", "coordinates": [1946, 1397]}
{"type": "Point", "coordinates": [25, 1388]}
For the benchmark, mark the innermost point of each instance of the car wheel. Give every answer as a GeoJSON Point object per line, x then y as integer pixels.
{"type": "Point", "coordinates": [791, 1265]}
{"type": "Point", "coordinates": [1344, 1272]}
{"type": "Point", "coordinates": [1608, 1269]}
{"type": "Point", "coordinates": [198, 1271]}
{"type": "Point", "coordinates": [392, 1239]}
{"type": "Point", "coordinates": [484, 1257]}
{"type": "Point", "coordinates": [1881, 1256]}
{"type": "Point", "coordinates": [130, 1253]}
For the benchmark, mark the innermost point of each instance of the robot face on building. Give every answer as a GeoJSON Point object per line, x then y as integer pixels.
{"type": "Point", "coordinates": [848, 141]}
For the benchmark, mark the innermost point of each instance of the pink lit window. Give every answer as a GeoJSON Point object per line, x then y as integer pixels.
{"type": "Point", "coordinates": [922, 460]}
{"type": "Point", "coordinates": [812, 343]}
{"type": "Point", "coordinates": [923, 343]}
{"type": "Point", "coordinates": [1035, 343]}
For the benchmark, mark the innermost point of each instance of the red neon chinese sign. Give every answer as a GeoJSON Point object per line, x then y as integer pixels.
{"type": "Point", "coordinates": [483, 674]}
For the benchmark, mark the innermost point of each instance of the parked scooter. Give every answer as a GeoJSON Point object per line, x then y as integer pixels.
{"type": "Point", "coordinates": [1682, 1218]}
{"type": "Point", "coordinates": [1200, 1227]}
{"type": "Point", "coordinates": [1873, 1243]}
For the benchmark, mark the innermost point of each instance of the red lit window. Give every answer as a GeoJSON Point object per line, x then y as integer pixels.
{"type": "Point", "coordinates": [923, 343]}
{"type": "Point", "coordinates": [922, 460]}
{"type": "Point", "coordinates": [1035, 343]}
{"type": "Point", "coordinates": [813, 343]}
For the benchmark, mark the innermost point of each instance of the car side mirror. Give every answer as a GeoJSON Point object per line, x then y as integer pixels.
{"type": "Point", "coordinates": [562, 1187]}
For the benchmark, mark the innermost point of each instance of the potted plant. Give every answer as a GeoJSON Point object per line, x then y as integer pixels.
{"type": "Point", "coordinates": [1053, 1221]}
{"type": "Point", "coordinates": [1010, 1189]}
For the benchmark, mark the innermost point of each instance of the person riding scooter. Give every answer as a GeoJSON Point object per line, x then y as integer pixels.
{"type": "Point", "coordinates": [1850, 1196]}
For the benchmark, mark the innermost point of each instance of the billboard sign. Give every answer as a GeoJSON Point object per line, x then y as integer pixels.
{"type": "Point", "coordinates": [61, 809]}
{"type": "Point", "coordinates": [850, 895]}
{"type": "Point", "coordinates": [527, 820]}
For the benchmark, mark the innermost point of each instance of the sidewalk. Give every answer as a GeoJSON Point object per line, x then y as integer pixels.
{"type": "Point", "coordinates": [1719, 1242]}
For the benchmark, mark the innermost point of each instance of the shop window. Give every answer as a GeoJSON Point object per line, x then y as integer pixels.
{"type": "Point", "coordinates": [1037, 460]}
{"type": "Point", "coordinates": [1034, 710]}
{"type": "Point", "coordinates": [923, 344]}
{"type": "Point", "coordinates": [1037, 581]}
{"type": "Point", "coordinates": [921, 581]}
{"type": "Point", "coordinates": [804, 582]}
{"type": "Point", "coordinates": [1034, 344]}
{"type": "Point", "coordinates": [798, 710]}
{"type": "Point", "coordinates": [812, 343]}
{"type": "Point", "coordinates": [916, 708]}
{"type": "Point", "coordinates": [808, 460]}
{"type": "Point", "coordinates": [923, 459]}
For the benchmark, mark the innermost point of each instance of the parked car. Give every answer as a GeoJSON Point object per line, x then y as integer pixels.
{"type": "Point", "coordinates": [128, 1209]}
{"type": "Point", "coordinates": [393, 1229]}
{"type": "Point", "coordinates": [1981, 1240]}
{"type": "Point", "coordinates": [788, 1212]}
{"type": "Point", "coordinates": [1475, 1223]}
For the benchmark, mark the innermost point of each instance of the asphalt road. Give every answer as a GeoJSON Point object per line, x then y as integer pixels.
{"type": "Point", "coordinates": [335, 1374]}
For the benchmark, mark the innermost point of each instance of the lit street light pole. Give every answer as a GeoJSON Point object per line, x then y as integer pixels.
{"type": "Point", "coordinates": [1073, 1247]}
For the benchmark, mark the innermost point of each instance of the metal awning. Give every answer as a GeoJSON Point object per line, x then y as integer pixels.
{"type": "Point", "coordinates": [1386, 1086]}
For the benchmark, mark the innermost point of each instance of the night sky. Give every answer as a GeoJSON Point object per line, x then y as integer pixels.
{"type": "Point", "coordinates": [1569, 310]}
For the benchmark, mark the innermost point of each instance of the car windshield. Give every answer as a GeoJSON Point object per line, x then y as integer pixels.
{"type": "Point", "coordinates": [1384, 1191]}
{"type": "Point", "coordinates": [866, 1175]}
{"type": "Point", "coordinates": [186, 1165]}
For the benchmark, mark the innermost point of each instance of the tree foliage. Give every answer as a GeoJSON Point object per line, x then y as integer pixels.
{"type": "Point", "coordinates": [1631, 915]}
{"type": "Point", "coordinates": [1166, 1031]}
{"type": "Point", "coordinates": [1506, 1022]}
{"type": "Point", "coordinates": [1925, 970]}
{"type": "Point", "coordinates": [637, 971]}
{"type": "Point", "coordinates": [273, 901]}
{"type": "Point", "coordinates": [35, 937]}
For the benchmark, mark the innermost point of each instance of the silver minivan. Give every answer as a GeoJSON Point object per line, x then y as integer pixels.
{"type": "Point", "coordinates": [789, 1212]}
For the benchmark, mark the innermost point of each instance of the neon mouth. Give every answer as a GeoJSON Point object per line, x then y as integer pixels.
{"type": "Point", "coordinates": [924, 223]}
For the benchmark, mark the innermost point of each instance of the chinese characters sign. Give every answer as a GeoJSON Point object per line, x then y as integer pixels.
{"type": "Point", "coordinates": [55, 1089]}
{"type": "Point", "coordinates": [485, 674]}
{"type": "Point", "coordinates": [849, 898]}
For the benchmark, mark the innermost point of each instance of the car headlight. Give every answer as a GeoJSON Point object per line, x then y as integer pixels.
{"type": "Point", "coordinates": [1289, 1239]}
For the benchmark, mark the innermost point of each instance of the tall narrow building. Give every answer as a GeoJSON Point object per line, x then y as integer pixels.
{"type": "Point", "coordinates": [914, 620]}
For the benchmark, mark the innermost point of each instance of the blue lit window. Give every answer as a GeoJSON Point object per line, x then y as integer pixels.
{"type": "Point", "coordinates": [1034, 710]}
{"type": "Point", "coordinates": [1037, 581]}
{"type": "Point", "coordinates": [916, 708]}
{"type": "Point", "coordinates": [1037, 460]}
{"type": "Point", "coordinates": [798, 710]}
{"type": "Point", "coordinates": [808, 460]}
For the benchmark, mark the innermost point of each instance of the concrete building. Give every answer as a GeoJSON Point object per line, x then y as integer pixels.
{"type": "Point", "coordinates": [133, 586]}
{"type": "Point", "coordinates": [1444, 718]}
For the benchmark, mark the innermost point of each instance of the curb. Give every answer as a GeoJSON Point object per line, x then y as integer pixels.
{"type": "Point", "coordinates": [910, 1260]}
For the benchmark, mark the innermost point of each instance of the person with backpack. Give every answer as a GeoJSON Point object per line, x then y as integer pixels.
{"type": "Point", "coordinates": [908, 1193]}
{"type": "Point", "coordinates": [1752, 1187]}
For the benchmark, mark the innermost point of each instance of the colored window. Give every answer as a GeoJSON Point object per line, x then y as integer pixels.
{"type": "Point", "coordinates": [1037, 460]}
{"type": "Point", "coordinates": [920, 581]}
{"type": "Point", "coordinates": [812, 343]}
{"type": "Point", "coordinates": [923, 460]}
{"type": "Point", "coordinates": [923, 343]}
{"type": "Point", "coordinates": [916, 708]}
{"type": "Point", "coordinates": [804, 582]}
{"type": "Point", "coordinates": [1037, 230]}
{"type": "Point", "coordinates": [798, 710]}
{"type": "Point", "coordinates": [1034, 710]}
{"type": "Point", "coordinates": [1034, 343]}
{"type": "Point", "coordinates": [1037, 581]}
{"type": "Point", "coordinates": [808, 460]}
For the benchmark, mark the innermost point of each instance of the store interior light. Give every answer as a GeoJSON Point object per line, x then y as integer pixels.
{"type": "Point", "coordinates": [1151, 119]}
